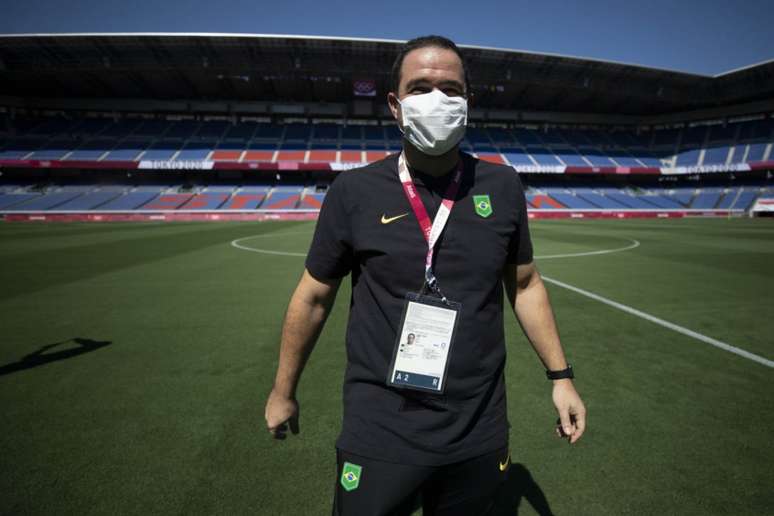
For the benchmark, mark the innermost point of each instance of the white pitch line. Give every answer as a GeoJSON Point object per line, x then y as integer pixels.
{"type": "Point", "coordinates": [634, 243]}
{"type": "Point", "coordinates": [235, 243]}
{"type": "Point", "coordinates": [666, 324]}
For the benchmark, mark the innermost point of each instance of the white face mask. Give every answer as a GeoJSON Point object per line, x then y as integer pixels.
{"type": "Point", "coordinates": [433, 122]}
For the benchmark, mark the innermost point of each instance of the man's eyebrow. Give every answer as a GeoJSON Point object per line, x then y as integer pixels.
{"type": "Point", "coordinates": [421, 82]}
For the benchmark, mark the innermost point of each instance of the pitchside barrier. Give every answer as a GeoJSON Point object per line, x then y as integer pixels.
{"type": "Point", "coordinates": [263, 215]}
{"type": "Point", "coordinates": [336, 166]}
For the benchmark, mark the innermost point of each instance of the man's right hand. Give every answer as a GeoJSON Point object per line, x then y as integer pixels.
{"type": "Point", "coordinates": [281, 412]}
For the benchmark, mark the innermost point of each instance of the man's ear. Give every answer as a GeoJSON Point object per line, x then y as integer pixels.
{"type": "Point", "coordinates": [394, 105]}
{"type": "Point", "coordinates": [471, 100]}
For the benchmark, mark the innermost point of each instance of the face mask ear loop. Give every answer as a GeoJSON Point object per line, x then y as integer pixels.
{"type": "Point", "coordinates": [400, 126]}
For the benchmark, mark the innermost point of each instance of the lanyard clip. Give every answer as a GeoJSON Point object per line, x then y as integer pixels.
{"type": "Point", "coordinates": [432, 284]}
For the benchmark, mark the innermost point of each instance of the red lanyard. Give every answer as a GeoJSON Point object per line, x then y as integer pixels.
{"type": "Point", "coordinates": [433, 230]}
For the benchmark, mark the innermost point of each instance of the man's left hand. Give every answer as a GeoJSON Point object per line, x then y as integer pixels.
{"type": "Point", "coordinates": [572, 412]}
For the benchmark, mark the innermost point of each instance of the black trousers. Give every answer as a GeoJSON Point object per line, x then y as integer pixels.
{"type": "Point", "coordinates": [369, 487]}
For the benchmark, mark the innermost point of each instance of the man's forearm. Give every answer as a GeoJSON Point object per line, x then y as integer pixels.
{"type": "Point", "coordinates": [533, 310]}
{"type": "Point", "coordinates": [303, 323]}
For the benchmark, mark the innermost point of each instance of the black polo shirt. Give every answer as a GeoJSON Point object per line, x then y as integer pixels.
{"type": "Point", "coordinates": [361, 231]}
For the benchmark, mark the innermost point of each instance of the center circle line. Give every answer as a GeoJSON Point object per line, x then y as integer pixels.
{"type": "Point", "coordinates": [236, 243]}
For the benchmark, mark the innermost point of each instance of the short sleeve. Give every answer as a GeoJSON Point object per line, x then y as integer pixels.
{"type": "Point", "coordinates": [520, 245]}
{"type": "Point", "coordinates": [330, 255]}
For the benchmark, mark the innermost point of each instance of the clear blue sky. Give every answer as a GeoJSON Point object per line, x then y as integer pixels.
{"type": "Point", "coordinates": [699, 36]}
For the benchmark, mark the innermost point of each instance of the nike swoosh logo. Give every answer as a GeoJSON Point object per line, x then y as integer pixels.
{"type": "Point", "coordinates": [386, 220]}
{"type": "Point", "coordinates": [504, 465]}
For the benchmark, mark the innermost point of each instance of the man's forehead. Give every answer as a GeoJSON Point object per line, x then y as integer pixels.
{"type": "Point", "coordinates": [432, 63]}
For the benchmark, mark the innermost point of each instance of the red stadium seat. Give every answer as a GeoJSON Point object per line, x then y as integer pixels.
{"type": "Point", "coordinates": [492, 158]}
{"type": "Point", "coordinates": [372, 156]}
{"type": "Point", "coordinates": [351, 156]}
{"type": "Point", "coordinates": [322, 155]}
{"type": "Point", "coordinates": [258, 155]}
{"type": "Point", "coordinates": [539, 200]}
{"type": "Point", "coordinates": [291, 155]}
{"type": "Point", "coordinates": [226, 155]}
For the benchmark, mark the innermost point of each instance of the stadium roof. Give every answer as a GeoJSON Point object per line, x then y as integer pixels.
{"type": "Point", "coordinates": [251, 67]}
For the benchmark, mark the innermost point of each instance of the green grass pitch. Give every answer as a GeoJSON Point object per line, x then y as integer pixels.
{"type": "Point", "coordinates": [135, 360]}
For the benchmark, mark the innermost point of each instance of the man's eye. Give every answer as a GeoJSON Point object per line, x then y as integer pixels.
{"type": "Point", "coordinates": [452, 93]}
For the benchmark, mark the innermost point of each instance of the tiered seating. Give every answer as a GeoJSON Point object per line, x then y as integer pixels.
{"type": "Point", "coordinates": [89, 201]}
{"type": "Point", "coordinates": [249, 198]}
{"type": "Point", "coordinates": [312, 200]}
{"type": "Point", "coordinates": [220, 140]}
{"type": "Point", "coordinates": [9, 201]}
{"type": "Point", "coordinates": [132, 200]}
{"type": "Point", "coordinates": [44, 202]}
{"type": "Point", "coordinates": [205, 201]}
{"type": "Point", "coordinates": [283, 198]}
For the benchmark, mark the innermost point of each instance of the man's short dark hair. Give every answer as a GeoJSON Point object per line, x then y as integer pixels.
{"type": "Point", "coordinates": [424, 42]}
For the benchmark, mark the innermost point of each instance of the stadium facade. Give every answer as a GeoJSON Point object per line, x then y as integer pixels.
{"type": "Point", "coordinates": [231, 126]}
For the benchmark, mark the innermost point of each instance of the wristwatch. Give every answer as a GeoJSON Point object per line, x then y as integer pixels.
{"type": "Point", "coordinates": [558, 375]}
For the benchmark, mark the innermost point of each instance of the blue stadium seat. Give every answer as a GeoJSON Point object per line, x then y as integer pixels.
{"type": "Point", "coordinates": [56, 149]}
{"type": "Point", "coordinates": [719, 133]}
{"type": "Point", "coordinates": [92, 151]}
{"type": "Point", "coordinates": [477, 136]}
{"type": "Point", "coordinates": [130, 201]}
{"type": "Point", "coordinates": [89, 201]}
{"type": "Point", "coordinates": [162, 151]}
{"type": "Point", "coordinates": [665, 138]}
{"type": "Point", "coordinates": [500, 136]}
{"type": "Point", "coordinates": [268, 132]}
{"type": "Point", "coordinates": [694, 136]}
{"type": "Point", "coordinates": [745, 200]}
{"type": "Point", "coordinates": [194, 151]}
{"type": "Point", "coordinates": [705, 200]}
{"type": "Point", "coordinates": [716, 155]}
{"type": "Point", "coordinates": [151, 129]}
{"type": "Point", "coordinates": [526, 136]}
{"type": "Point", "coordinates": [687, 158]}
{"type": "Point", "coordinates": [517, 156]}
{"type": "Point", "coordinates": [326, 132]}
{"type": "Point", "coordinates": [570, 157]}
{"type": "Point", "coordinates": [662, 201]}
{"type": "Point", "coordinates": [393, 133]}
{"type": "Point", "coordinates": [623, 158]}
{"type": "Point", "coordinates": [597, 157]}
{"type": "Point", "coordinates": [543, 156]}
{"type": "Point", "coordinates": [600, 200]}
{"type": "Point", "coordinates": [126, 151]}
{"type": "Point", "coordinates": [373, 133]}
{"type": "Point", "coordinates": [19, 149]}
{"type": "Point", "coordinates": [572, 201]}
{"type": "Point", "coordinates": [626, 199]}
{"type": "Point", "coordinates": [121, 129]}
{"type": "Point", "coordinates": [352, 132]}
{"type": "Point", "coordinates": [241, 132]}
{"type": "Point", "coordinates": [11, 200]}
{"type": "Point", "coordinates": [182, 130]}
{"type": "Point", "coordinates": [297, 132]}
{"type": "Point", "coordinates": [756, 152]}
{"type": "Point", "coordinates": [45, 202]}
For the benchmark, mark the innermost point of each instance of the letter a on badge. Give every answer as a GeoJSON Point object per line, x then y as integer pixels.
{"type": "Point", "coordinates": [483, 205]}
{"type": "Point", "coordinates": [350, 476]}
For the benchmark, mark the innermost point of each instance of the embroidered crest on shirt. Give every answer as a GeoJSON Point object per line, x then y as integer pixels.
{"type": "Point", "coordinates": [483, 205]}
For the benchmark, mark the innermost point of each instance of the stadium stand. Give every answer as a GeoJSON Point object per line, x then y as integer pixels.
{"type": "Point", "coordinates": [159, 140]}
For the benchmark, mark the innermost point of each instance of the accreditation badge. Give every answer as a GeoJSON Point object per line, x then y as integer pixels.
{"type": "Point", "coordinates": [423, 347]}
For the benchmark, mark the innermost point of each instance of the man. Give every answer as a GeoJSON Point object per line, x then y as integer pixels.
{"type": "Point", "coordinates": [434, 423]}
